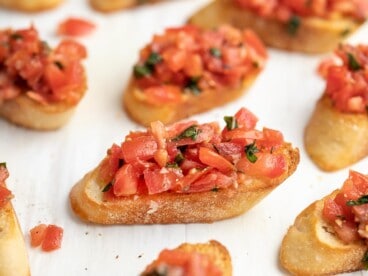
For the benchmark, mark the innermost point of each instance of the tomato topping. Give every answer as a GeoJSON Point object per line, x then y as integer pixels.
{"type": "Point", "coordinates": [180, 262]}
{"type": "Point", "coordinates": [283, 10]}
{"type": "Point", "coordinates": [28, 65]}
{"type": "Point", "coordinates": [75, 27]}
{"type": "Point", "coordinates": [347, 211]}
{"type": "Point", "coordinates": [188, 59]}
{"type": "Point", "coordinates": [48, 236]}
{"type": "Point", "coordinates": [189, 157]}
{"type": "Point", "coordinates": [347, 78]}
{"type": "Point", "coordinates": [5, 194]}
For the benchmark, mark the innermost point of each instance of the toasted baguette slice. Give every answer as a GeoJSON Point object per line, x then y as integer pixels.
{"type": "Point", "coordinates": [334, 139]}
{"type": "Point", "coordinates": [26, 112]}
{"type": "Point", "coordinates": [30, 5]}
{"type": "Point", "coordinates": [309, 248]}
{"type": "Point", "coordinates": [215, 251]}
{"type": "Point", "coordinates": [314, 35]}
{"type": "Point", "coordinates": [114, 5]}
{"type": "Point", "coordinates": [141, 111]}
{"type": "Point", "coordinates": [87, 200]}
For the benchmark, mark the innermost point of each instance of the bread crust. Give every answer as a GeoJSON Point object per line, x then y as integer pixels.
{"type": "Point", "coordinates": [309, 248]}
{"type": "Point", "coordinates": [314, 35]}
{"type": "Point", "coordinates": [135, 104]}
{"type": "Point", "coordinates": [217, 253]}
{"type": "Point", "coordinates": [30, 5]}
{"type": "Point", "coordinates": [114, 5]}
{"type": "Point", "coordinates": [87, 201]}
{"type": "Point", "coordinates": [334, 139]}
{"type": "Point", "coordinates": [13, 255]}
{"type": "Point", "coordinates": [25, 112]}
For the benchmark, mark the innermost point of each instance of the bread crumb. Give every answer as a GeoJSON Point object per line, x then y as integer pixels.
{"type": "Point", "coordinates": [117, 257]}
{"type": "Point", "coordinates": [152, 207]}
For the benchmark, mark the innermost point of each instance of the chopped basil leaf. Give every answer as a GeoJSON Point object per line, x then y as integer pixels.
{"type": "Point", "coordinates": [192, 85]}
{"type": "Point", "coordinates": [293, 25]}
{"type": "Point", "coordinates": [353, 63]}
{"type": "Point", "coordinates": [231, 122]}
{"type": "Point", "coordinates": [360, 201]}
{"type": "Point", "coordinates": [250, 151]}
{"type": "Point", "coordinates": [179, 158]}
{"type": "Point", "coordinates": [173, 165]}
{"type": "Point", "coordinates": [107, 188]}
{"type": "Point", "coordinates": [365, 260]}
{"type": "Point", "coordinates": [190, 132]}
{"type": "Point", "coordinates": [255, 64]}
{"type": "Point", "coordinates": [215, 52]}
{"type": "Point", "coordinates": [59, 65]}
{"type": "Point", "coordinates": [153, 59]}
{"type": "Point", "coordinates": [215, 189]}
{"type": "Point", "coordinates": [3, 164]}
{"type": "Point", "coordinates": [16, 36]}
{"type": "Point", "coordinates": [345, 32]}
{"type": "Point", "coordinates": [158, 271]}
{"type": "Point", "coordinates": [141, 71]}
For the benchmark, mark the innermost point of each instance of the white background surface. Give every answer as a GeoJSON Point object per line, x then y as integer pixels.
{"type": "Point", "coordinates": [45, 165]}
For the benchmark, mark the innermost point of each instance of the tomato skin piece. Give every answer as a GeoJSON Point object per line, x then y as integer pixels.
{"type": "Point", "coordinates": [53, 238]}
{"type": "Point", "coordinates": [213, 159]}
{"type": "Point", "coordinates": [38, 234]}
{"type": "Point", "coordinates": [267, 165]}
{"type": "Point", "coordinates": [142, 148]}
{"type": "Point", "coordinates": [126, 181]}
{"type": "Point", "coordinates": [75, 27]}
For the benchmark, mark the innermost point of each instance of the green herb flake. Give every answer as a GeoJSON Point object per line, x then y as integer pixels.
{"type": "Point", "coordinates": [3, 164]}
{"type": "Point", "coordinates": [250, 151]}
{"type": "Point", "coordinates": [345, 32]}
{"type": "Point", "coordinates": [192, 85]}
{"type": "Point", "coordinates": [153, 59]}
{"type": "Point", "coordinates": [255, 64]}
{"type": "Point", "coordinates": [360, 201]}
{"type": "Point", "coordinates": [293, 25]}
{"type": "Point", "coordinates": [365, 260]}
{"type": "Point", "coordinates": [16, 36]}
{"type": "Point", "coordinates": [215, 189]}
{"type": "Point", "coordinates": [353, 63]}
{"type": "Point", "coordinates": [141, 71]}
{"type": "Point", "coordinates": [231, 122]}
{"type": "Point", "coordinates": [215, 52]}
{"type": "Point", "coordinates": [59, 65]}
{"type": "Point", "coordinates": [190, 132]}
{"type": "Point", "coordinates": [107, 187]}
{"type": "Point", "coordinates": [179, 158]}
{"type": "Point", "coordinates": [173, 165]}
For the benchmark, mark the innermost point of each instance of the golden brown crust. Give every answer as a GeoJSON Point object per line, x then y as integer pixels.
{"type": "Point", "coordinates": [309, 248]}
{"type": "Point", "coordinates": [114, 5]}
{"type": "Point", "coordinates": [87, 200]}
{"type": "Point", "coordinates": [314, 35]}
{"type": "Point", "coordinates": [333, 139]}
{"type": "Point", "coordinates": [26, 112]}
{"type": "Point", "coordinates": [13, 254]}
{"type": "Point", "coordinates": [144, 113]}
{"type": "Point", "coordinates": [217, 253]}
{"type": "Point", "coordinates": [30, 5]}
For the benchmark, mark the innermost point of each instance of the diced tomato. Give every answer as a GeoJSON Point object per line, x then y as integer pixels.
{"type": "Point", "coordinates": [360, 181]}
{"type": "Point", "coordinates": [75, 27]}
{"type": "Point", "coordinates": [243, 137]}
{"type": "Point", "coordinates": [5, 195]}
{"type": "Point", "coordinates": [271, 139]}
{"type": "Point", "coordinates": [193, 66]}
{"type": "Point", "coordinates": [158, 95]}
{"type": "Point", "coordinates": [347, 231]}
{"type": "Point", "coordinates": [71, 49]}
{"type": "Point", "coordinates": [143, 148]}
{"type": "Point", "coordinates": [212, 180]}
{"type": "Point", "coordinates": [53, 238]}
{"type": "Point", "coordinates": [38, 234]}
{"type": "Point", "coordinates": [160, 134]}
{"type": "Point", "coordinates": [110, 165]}
{"type": "Point", "coordinates": [253, 40]}
{"type": "Point", "coordinates": [126, 181]}
{"type": "Point", "coordinates": [267, 165]}
{"type": "Point", "coordinates": [246, 119]}
{"type": "Point", "coordinates": [159, 180]}
{"type": "Point", "coordinates": [213, 159]}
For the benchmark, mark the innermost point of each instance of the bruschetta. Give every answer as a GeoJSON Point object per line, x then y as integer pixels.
{"type": "Point", "coordinates": [211, 258]}
{"type": "Point", "coordinates": [336, 134]}
{"type": "Point", "coordinates": [187, 71]}
{"type": "Point", "coordinates": [39, 86]}
{"type": "Point", "coordinates": [297, 25]}
{"type": "Point", "coordinates": [330, 236]}
{"type": "Point", "coordinates": [185, 173]}
{"type": "Point", "coordinates": [30, 5]}
{"type": "Point", "coordinates": [114, 5]}
{"type": "Point", "coordinates": [13, 255]}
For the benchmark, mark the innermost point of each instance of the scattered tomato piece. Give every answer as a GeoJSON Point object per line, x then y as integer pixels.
{"type": "Point", "coordinates": [75, 27]}
{"type": "Point", "coordinates": [49, 237]}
